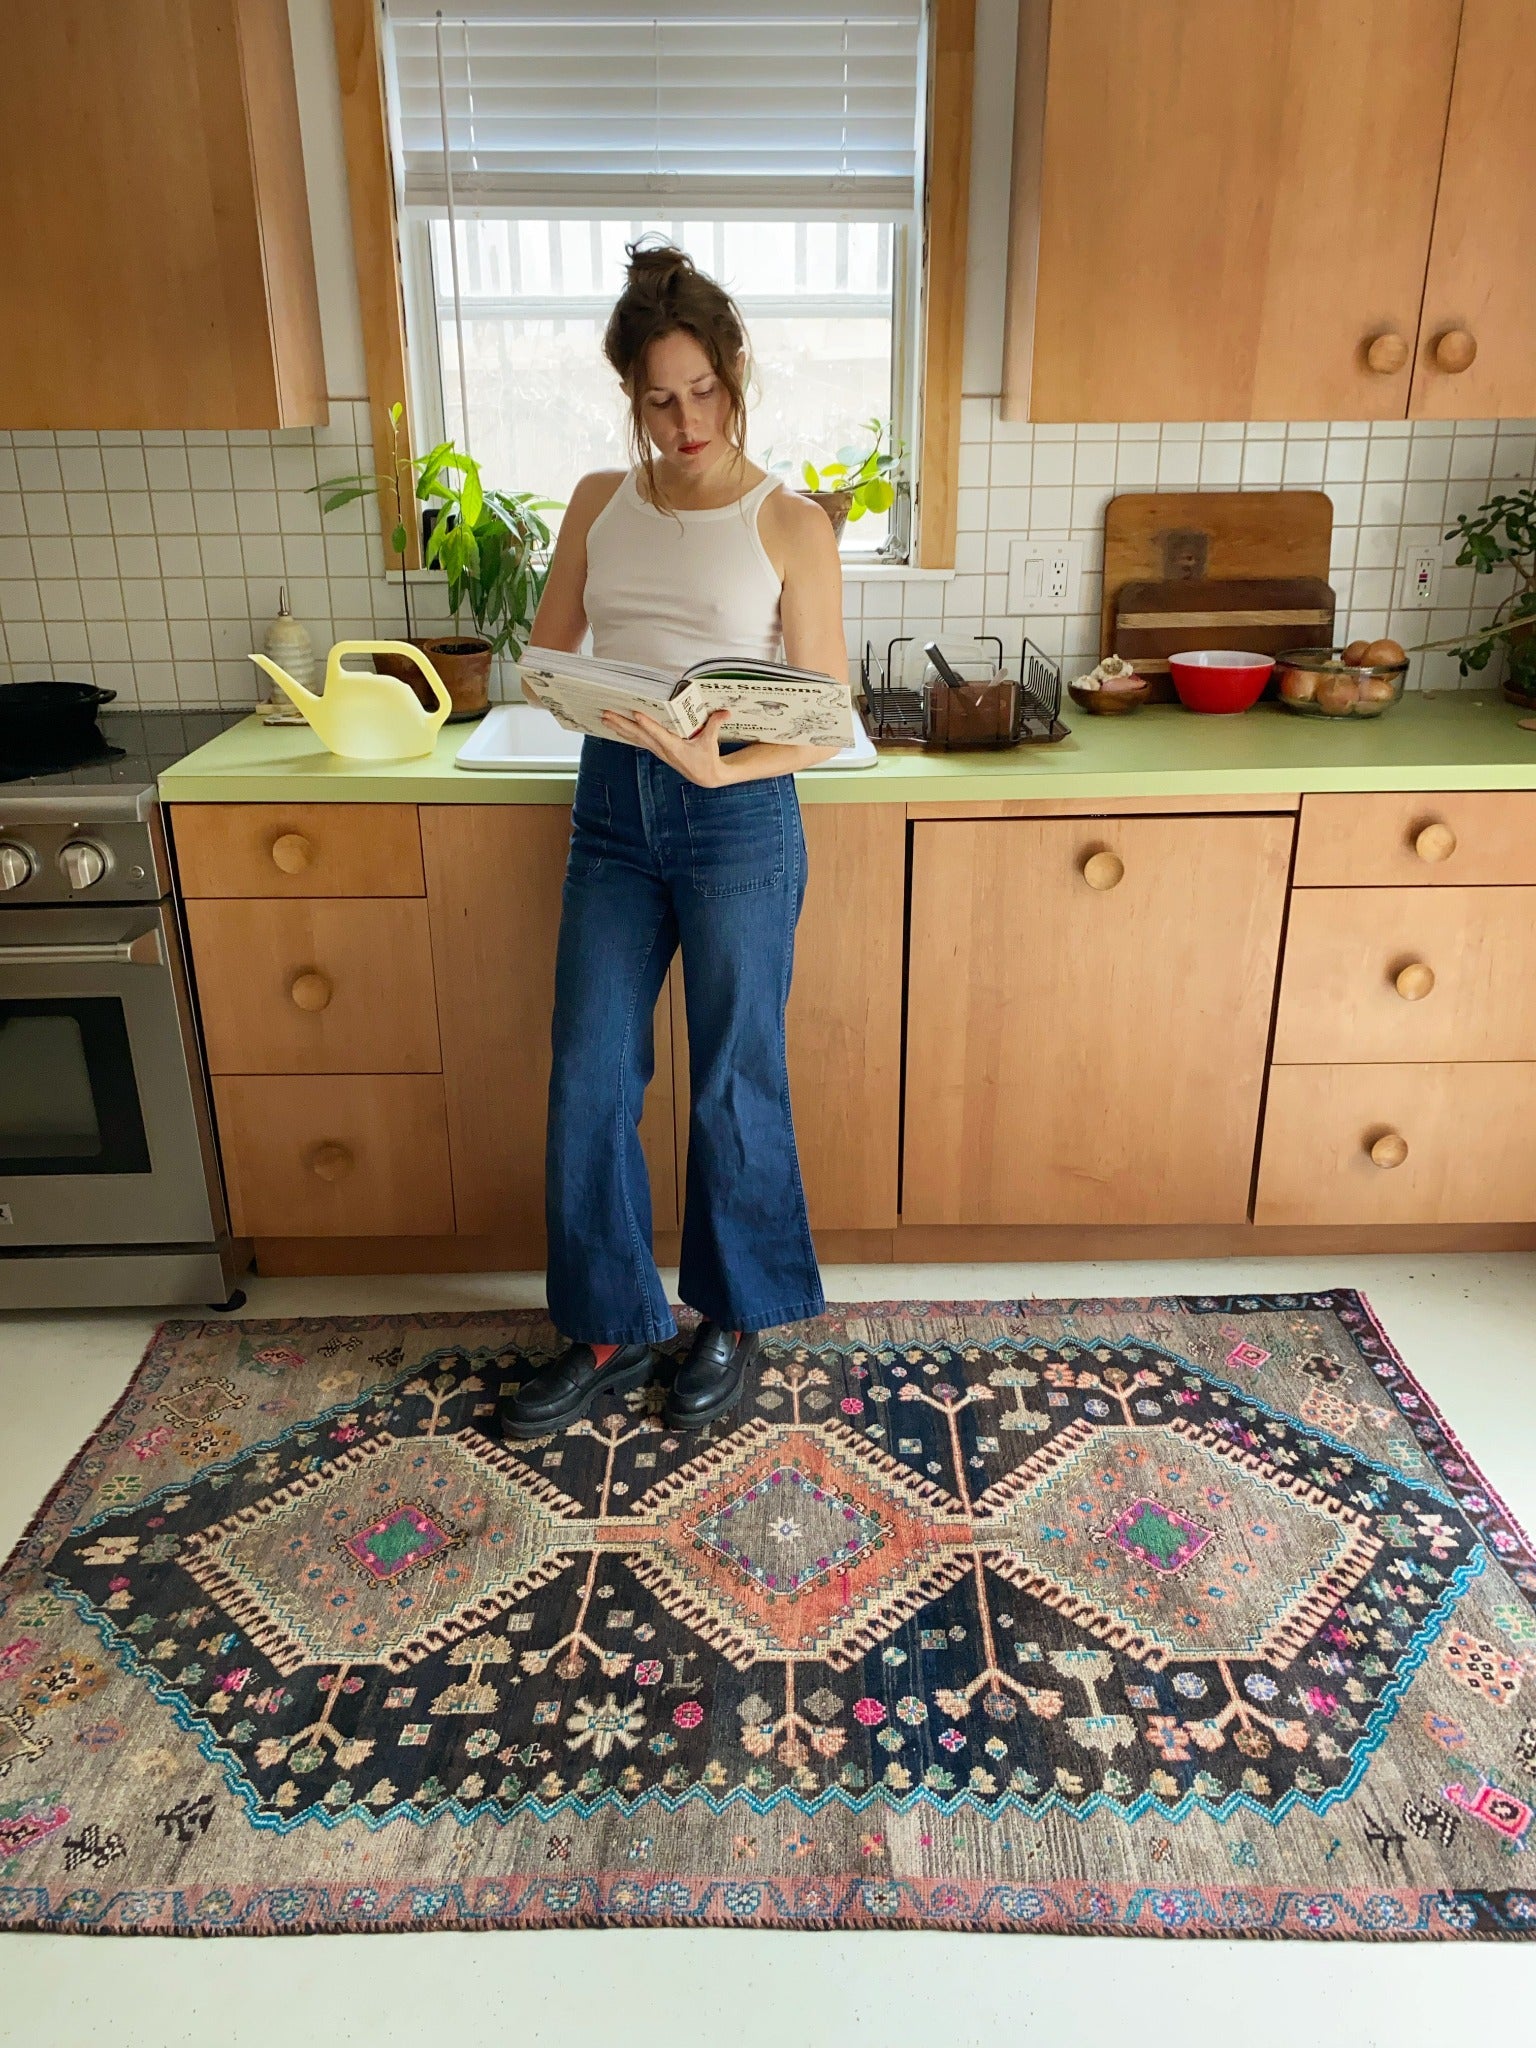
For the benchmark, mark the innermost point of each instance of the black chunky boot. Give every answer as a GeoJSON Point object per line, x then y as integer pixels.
{"type": "Point", "coordinates": [709, 1380]}
{"type": "Point", "coordinates": [561, 1392]}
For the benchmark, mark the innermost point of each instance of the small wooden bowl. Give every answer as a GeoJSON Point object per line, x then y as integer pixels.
{"type": "Point", "coordinates": [1110, 703]}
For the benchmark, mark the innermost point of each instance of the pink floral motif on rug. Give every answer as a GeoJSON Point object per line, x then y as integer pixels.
{"type": "Point", "coordinates": [1179, 1616]}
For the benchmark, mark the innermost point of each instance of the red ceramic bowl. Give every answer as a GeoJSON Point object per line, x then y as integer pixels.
{"type": "Point", "coordinates": [1221, 680]}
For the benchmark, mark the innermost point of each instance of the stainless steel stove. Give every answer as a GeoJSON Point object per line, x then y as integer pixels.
{"type": "Point", "coordinates": [109, 1181]}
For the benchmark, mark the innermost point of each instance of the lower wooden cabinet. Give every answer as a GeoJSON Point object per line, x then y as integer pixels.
{"type": "Point", "coordinates": [493, 877]}
{"type": "Point", "coordinates": [1088, 1006]}
{"type": "Point", "coordinates": [335, 1155]}
{"type": "Point", "coordinates": [1446, 1142]}
{"type": "Point", "coordinates": [494, 874]}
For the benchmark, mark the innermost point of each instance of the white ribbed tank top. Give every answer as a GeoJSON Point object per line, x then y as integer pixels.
{"type": "Point", "coordinates": [670, 590]}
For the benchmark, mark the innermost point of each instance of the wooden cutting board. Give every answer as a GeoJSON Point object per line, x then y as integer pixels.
{"type": "Point", "coordinates": [1167, 536]}
{"type": "Point", "coordinates": [1260, 615]}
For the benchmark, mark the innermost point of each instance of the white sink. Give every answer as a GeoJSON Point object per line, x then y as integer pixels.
{"type": "Point", "coordinates": [518, 738]}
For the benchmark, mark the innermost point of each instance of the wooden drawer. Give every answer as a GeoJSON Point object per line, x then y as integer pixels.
{"type": "Point", "coordinates": [298, 849]}
{"type": "Point", "coordinates": [1466, 1127]}
{"type": "Point", "coordinates": [1347, 950]}
{"type": "Point", "coordinates": [324, 987]}
{"type": "Point", "coordinates": [353, 1155]}
{"type": "Point", "coordinates": [1377, 842]}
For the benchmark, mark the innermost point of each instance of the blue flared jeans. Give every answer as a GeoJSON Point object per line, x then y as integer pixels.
{"type": "Point", "coordinates": [656, 862]}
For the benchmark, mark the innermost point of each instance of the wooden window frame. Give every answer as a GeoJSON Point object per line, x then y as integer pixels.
{"type": "Point", "coordinates": [946, 214]}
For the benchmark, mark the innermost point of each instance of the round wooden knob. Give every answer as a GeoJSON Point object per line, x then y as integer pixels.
{"type": "Point", "coordinates": [1414, 982]}
{"type": "Point", "coordinates": [1435, 843]}
{"type": "Point", "coordinates": [1387, 354]}
{"type": "Point", "coordinates": [1103, 870]}
{"type": "Point", "coordinates": [1389, 1150]}
{"type": "Point", "coordinates": [310, 991]}
{"type": "Point", "coordinates": [331, 1161]}
{"type": "Point", "coordinates": [1455, 351]}
{"type": "Point", "coordinates": [293, 853]}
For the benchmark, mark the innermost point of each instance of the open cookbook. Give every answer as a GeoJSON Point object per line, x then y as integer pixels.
{"type": "Point", "coordinates": [766, 700]}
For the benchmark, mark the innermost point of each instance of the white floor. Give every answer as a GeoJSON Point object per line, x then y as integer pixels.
{"type": "Point", "coordinates": [1467, 1329]}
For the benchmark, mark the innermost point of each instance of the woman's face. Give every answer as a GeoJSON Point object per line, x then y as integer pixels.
{"type": "Point", "coordinates": [684, 405]}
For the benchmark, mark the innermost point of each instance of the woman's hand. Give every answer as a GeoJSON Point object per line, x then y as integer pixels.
{"type": "Point", "coordinates": [698, 759]}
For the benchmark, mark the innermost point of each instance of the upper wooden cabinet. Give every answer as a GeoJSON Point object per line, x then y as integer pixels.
{"type": "Point", "coordinates": [156, 267]}
{"type": "Point", "coordinates": [1224, 209]}
{"type": "Point", "coordinates": [1482, 259]}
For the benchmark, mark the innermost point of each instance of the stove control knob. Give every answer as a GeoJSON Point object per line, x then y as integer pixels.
{"type": "Point", "coordinates": [83, 864]}
{"type": "Point", "coordinates": [15, 865]}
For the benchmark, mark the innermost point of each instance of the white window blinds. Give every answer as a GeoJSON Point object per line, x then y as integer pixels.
{"type": "Point", "coordinates": [797, 106]}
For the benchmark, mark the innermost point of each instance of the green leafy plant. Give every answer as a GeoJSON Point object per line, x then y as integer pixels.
{"type": "Point", "coordinates": [868, 475]}
{"type": "Point", "coordinates": [1501, 534]}
{"type": "Point", "coordinates": [493, 546]}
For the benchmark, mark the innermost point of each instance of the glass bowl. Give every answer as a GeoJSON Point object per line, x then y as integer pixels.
{"type": "Point", "coordinates": [1319, 683]}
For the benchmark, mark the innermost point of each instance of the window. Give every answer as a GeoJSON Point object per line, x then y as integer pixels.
{"type": "Point", "coordinates": [775, 140]}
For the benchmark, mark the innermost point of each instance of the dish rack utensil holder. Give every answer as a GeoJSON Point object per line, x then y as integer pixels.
{"type": "Point", "coordinates": [899, 715]}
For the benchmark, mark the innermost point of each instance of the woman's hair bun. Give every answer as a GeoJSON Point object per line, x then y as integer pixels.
{"type": "Point", "coordinates": [655, 268]}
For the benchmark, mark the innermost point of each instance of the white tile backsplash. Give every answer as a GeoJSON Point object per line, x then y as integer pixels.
{"type": "Point", "coordinates": [151, 562]}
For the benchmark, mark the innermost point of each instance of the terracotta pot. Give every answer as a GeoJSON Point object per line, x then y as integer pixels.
{"type": "Point", "coordinates": [463, 664]}
{"type": "Point", "coordinates": [1526, 699]}
{"type": "Point", "coordinates": [836, 505]}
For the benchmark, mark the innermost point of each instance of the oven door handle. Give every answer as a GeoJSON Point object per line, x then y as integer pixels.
{"type": "Point", "coordinates": [143, 950]}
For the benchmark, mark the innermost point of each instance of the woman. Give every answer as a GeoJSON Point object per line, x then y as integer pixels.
{"type": "Point", "coordinates": [694, 551]}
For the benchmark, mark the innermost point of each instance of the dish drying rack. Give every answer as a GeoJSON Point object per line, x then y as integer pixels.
{"type": "Point", "coordinates": [895, 714]}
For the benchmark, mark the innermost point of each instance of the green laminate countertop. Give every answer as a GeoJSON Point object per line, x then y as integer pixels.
{"type": "Point", "coordinates": [1460, 739]}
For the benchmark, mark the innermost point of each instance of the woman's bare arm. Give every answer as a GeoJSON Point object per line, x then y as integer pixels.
{"type": "Point", "coordinates": [561, 619]}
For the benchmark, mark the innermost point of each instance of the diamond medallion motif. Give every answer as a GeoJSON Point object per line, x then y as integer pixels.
{"type": "Point", "coordinates": [788, 1530]}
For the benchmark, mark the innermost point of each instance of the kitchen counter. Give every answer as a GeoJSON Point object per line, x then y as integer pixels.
{"type": "Point", "coordinates": [1446, 740]}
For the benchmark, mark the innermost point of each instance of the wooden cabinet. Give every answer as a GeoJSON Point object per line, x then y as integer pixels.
{"type": "Point", "coordinates": [1226, 209]}
{"type": "Point", "coordinates": [493, 894]}
{"type": "Point", "coordinates": [156, 268]}
{"type": "Point", "coordinates": [1481, 285]}
{"type": "Point", "coordinates": [843, 1024]}
{"type": "Point", "coordinates": [1088, 1002]}
{"type": "Point", "coordinates": [1402, 1090]}
{"type": "Point", "coordinates": [493, 891]}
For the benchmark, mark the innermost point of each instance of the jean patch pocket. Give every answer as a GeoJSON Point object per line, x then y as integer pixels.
{"type": "Point", "coordinates": [736, 836]}
{"type": "Point", "coordinates": [591, 820]}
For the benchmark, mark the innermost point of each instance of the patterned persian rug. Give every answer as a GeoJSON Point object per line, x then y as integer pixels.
{"type": "Point", "coordinates": [1178, 1616]}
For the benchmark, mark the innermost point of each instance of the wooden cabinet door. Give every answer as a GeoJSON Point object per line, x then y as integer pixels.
{"type": "Point", "coordinates": [843, 1024]}
{"type": "Point", "coordinates": [1082, 1054]}
{"type": "Point", "coordinates": [1482, 259]}
{"type": "Point", "coordinates": [1236, 199]}
{"type": "Point", "coordinates": [156, 267]}
{"type": "Point", "coordinates": [494, 873]}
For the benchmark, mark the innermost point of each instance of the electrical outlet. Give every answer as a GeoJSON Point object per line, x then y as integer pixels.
{"type": "Point", "coordinates": [1043, 576]}
{"type": "Point", "coordinates": [1419, 563]}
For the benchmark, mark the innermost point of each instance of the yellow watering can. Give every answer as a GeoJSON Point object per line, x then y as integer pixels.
{"type": "Point", "coordinates": [368, 717]}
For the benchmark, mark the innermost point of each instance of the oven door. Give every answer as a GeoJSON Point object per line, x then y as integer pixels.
{"type": "Point", "coordinates": [100, 1138]}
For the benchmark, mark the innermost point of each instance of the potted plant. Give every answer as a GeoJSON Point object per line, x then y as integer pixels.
{"type": "Point", "coordinates": [857, 480]}
{"type": "Point", "coordinates": [492, 546]}
{"type": "Point", "coordinates": [1501, 534]}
